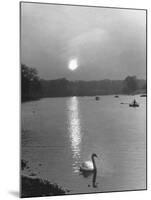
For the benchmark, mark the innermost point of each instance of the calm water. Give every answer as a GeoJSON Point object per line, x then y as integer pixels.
{"type": "Point", "coordinates": [60, 133]}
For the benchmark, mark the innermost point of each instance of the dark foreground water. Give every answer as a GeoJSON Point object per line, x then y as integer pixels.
{"type": "Point", "coordinates": [58, 134]}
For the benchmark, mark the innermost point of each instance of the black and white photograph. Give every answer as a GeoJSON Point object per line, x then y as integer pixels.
{"type": "Point", "coordinates": [83, 98]}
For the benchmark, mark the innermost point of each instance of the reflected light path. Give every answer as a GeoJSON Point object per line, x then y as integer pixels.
{"type": "Point", "coordinates": [74, 130]}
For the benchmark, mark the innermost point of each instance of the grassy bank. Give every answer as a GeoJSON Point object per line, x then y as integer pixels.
{"type": "Point", "coordinates": [37, 187]}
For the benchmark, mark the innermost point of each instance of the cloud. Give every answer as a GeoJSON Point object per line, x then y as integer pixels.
{"type": "Point", "coordinates": [84, 42]}
{"type": "Point", "coordinates": [94, 36]}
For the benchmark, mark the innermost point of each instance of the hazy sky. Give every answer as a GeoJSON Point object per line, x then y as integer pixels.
{"type": "Point", "coordinates": [107, 43]}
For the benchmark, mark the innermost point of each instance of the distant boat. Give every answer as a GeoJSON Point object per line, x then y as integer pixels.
{"type": "Point", "coordinates": [116, 96]}
{"type": "Point", "coordinates": [97, 98]}
{"type": "Point", "coordinates": [134, 104]}
{"type": "Point", "coordinates": [143, 95]}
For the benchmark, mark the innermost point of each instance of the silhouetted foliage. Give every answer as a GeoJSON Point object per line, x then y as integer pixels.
{"type": "Point", "coordinates": [63, 87]}
{"type": "Point", "coordinates": [24, 164]}
{"type": "Point", "coordinates": [35, 187]}
{"type": "Point", "coordinates": [34, 88]}
{"type": "Point", "coordinates": [130, 84]}
{"type": "Point", "coordinates": [58, 87]}
{"type": "Point", "coordinates": [30, 83]}
{"type": "Point", "coordinates": [144, 86]}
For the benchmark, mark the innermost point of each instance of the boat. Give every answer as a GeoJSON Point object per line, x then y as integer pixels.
{"type": "Point", "coordinates": [97, 98]}
{"type": "Point", "coordinates": [116, 96]}
{"type": "Point", "coordinates": [143, 95]}
{"type": "Point", "coordinates": [134, 104]}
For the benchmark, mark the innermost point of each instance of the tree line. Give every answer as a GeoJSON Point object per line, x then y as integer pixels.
{"type": "Point", "coordinates": [32, 87]}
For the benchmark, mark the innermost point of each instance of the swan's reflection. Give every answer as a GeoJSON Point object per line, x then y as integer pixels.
{"type": "Point", "coordinates": [94, 179]}
{"type": "Point", "coordinates": [87, 174]}
{"type": "Point", "coordinates": [74, 130]}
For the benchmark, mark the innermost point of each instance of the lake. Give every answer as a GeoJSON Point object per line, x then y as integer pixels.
{"type": "Point", "coordinates": [58, 134]}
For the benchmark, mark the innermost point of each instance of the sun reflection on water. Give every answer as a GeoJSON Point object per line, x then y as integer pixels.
{"type": "Point", "coordinates": [74, 130]}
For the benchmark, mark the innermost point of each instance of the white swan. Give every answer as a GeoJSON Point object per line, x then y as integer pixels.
{"type": "Point", "coordinates": [89, 166]}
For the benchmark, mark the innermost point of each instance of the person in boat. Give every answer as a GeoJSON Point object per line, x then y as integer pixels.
{"type": "Point", "coordinates": [134, 102]}
{"type": "Point", "coordinates": [97, 98]}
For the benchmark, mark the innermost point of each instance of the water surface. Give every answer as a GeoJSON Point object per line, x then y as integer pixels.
{"type": "Point", "coordinates": [58, 134]}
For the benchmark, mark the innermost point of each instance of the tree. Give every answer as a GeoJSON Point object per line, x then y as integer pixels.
{"type": "Point", "coordinates": [130, 84]}
{"type": "Point", "coordinates": [30, 84]}
{"type": "Point", "coordinates": [144, 86]}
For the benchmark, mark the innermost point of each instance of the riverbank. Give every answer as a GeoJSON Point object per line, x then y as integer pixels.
{"type": "Point", "coordinates": [137, 92]}
{"type": "Point", "coordinates": [23, 100]}
{"type": "Point", "coordinates": [37, 187]}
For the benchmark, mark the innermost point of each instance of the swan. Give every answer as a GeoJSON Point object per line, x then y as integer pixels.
{"type": "Point", "coordinates": [89, 166]}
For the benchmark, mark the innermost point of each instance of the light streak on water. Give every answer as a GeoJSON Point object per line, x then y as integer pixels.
{"type": "Point", "coordinates": [74, 130]}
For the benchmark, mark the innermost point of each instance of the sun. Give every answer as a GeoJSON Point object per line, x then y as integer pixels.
{"type": "Point", "coordinates": [73, 64]}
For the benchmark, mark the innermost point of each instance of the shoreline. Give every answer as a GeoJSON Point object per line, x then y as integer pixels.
{"type": "Point", "coordinates": [37, 187]}
{"type": "Point", "coordinates": [132, 94]}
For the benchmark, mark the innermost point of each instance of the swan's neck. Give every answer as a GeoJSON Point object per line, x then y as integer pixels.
{"type": "Point", "coordinates": [94, 165]}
